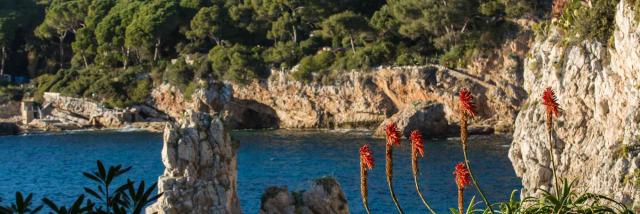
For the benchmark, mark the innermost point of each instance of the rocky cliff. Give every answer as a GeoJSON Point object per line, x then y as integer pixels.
{"type": "Point", "coordinates": [365, 99]}
{"type": "Point", "coordinates": [200, 159]}
{"type": "Point", "coordinates": [597, 135]}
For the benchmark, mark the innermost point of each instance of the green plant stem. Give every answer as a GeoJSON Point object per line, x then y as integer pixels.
{"type": "Point", "coordinates": [389, 172]}
{"type": "Point", "coordinates": [553, 162]}
{"type": "Point", "coordinates": [473, 178]}
{"type": "Point", "coordinates": [366, 206]}
{"type": "Point", "coordinates": [415, 179]}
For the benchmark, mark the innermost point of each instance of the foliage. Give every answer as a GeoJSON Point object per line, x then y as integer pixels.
{"type": "Point", "coordinates": [243, 39]}
{"type": "Point", "coordinates": [568, 200]}
{"type": "Point", "coordinates": [584, 22]}
{"type": "Point", "coordinates": [119, 199]}
{"type": "Point", "coordinates": [237, 63]}
{"type": "Point", "coordinates": [312, 66]}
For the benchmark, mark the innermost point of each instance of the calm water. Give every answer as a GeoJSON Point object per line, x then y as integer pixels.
{"type": "Point", "coordinates": [51, 165]}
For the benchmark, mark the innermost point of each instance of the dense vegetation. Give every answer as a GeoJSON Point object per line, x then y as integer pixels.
{"type": "Point", "coordinates": [71, 42]}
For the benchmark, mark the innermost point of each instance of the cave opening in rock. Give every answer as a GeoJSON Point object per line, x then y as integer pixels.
{"type": "Point", "coordinates": [252, 119]}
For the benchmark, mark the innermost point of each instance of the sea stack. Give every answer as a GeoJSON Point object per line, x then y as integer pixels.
{"type": "Point", "coordinates": [200, 159]}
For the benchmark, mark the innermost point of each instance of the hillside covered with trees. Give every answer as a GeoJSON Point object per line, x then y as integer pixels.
{"type": "Point", "coordinates": [118, 49]}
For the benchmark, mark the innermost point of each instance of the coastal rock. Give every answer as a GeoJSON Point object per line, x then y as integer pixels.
{"type": "Point", "coordinates": [365, 99]}
{"type": "Point", "coordinates": [596, 137]}
{"type": "Point", "coordinates": [428, 118]}
{"type": "Point", "coordinates": [7, 128]}
{"type": "Point", "coordinates": [171, 101]}
{"type": "Point", "coordinates": [324, 196]}
{"type": "Point", "coordinates": [200, 160]}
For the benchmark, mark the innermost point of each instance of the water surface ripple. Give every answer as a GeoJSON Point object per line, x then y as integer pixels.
{"type": "Point", "coordinates": [51, 165]}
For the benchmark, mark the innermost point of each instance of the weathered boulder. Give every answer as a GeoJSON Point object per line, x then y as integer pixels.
{"type": "Point", "coordinates": [325, 196]}
{"type": "Point", "coordinates": [81, 112]}
{"type": "Point", "coordinates": [596, 137]}
{"type": "Point", "coordinates": [429, 118]}
{"type": "Point", "coordinates": [200, 159]}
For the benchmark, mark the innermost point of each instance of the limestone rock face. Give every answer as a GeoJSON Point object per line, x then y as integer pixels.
{"type": "Point", "coordinates": [172, 102]}
{"type": "Point", "coordinates": [353, 102]}
{"type": "Point", "coordinates": [200, 160]}
{"type": "Point", "coordinates": [325, 196]}
{"type": "Point", "coordinates": [365, 99]}
{"type": "Point", "coordinates": [597, 135]}
{"type": "Point", "coordinates": [79, 112]}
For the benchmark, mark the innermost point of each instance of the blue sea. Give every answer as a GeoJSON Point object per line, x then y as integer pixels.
{"type": "Point", "coordinates": [51, 165]}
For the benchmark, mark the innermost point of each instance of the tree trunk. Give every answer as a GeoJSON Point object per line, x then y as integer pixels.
{"type": "Point", "coordinates": [216, 39]}
{"type": "Point", "coordinates": [295, 34]}
{"type": "Point", "coordinates": [352, 46]}
{"type": "Point", "coordinates": [4, 56]}
{"type": "Point", "coordinates": [84, 58]}
{"type": "Point", "coordinates": [126, 58]}
{"type": "Point", "coordinates": [155, 52]}
{"type": "Point", "coordinates": [61, 51]}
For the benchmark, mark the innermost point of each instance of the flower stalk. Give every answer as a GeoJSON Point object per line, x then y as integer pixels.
{"type": "Point", "coordinates": [393, 138]}
{"type": "Point", "coordinates": [366, 164]}
{"type": "Point", "coordinates": [550, 101]}
{"type": "Point", "coordinates": [462, 180]}
{"type": "Point", "coordinates": [467, 108]}
{"type": "Point", "coordinates": [417, 150]}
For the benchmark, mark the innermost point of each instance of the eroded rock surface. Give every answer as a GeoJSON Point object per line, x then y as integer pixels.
{"type": "Point", "coordinates": [200, 159]}
{"type": "Point", "coordinates": [597, 135]}
{"type": "Point", "coordinates": [365, 99]}
{"type": "Point", "coordinates": [325, 196]}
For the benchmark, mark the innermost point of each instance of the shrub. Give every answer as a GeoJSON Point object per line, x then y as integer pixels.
{"type": "Point", "coordinates": [237, 63]}
{"type": "Point", "coordinates": [179, 74]}
{"type": "Point", "coordinates": [589, 23]}
{"type": "Point", "coordinates": [365, 57]}
{"type": "Point", "coordinates": [282, 54]}
{"type": "Point", "coordinates": [314, 65]}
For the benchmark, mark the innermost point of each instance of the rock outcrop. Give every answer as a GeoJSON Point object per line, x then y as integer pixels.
{"type": "Point", "coordinates": [325, 196]}
{"type": "Point", "coordinates": [430, 119]}
{"type": "Point", "coordinates": [365, 99]}
{"type": "Point", "coordinates": [200, 159]}
{"type": "Point", "coordinates": [597, 135]}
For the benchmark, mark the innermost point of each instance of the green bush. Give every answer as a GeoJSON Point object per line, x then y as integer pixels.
{"type": "Point", "coordinates": [311, 66]}
{"type": "Point", "coordinates": [589, 23]}
{"type": "Point", "coordinates": [179, 74]}
{"type": "Point", "coordinates": [365, 57]}
{"type": "Point", "coordinates": [238, 63]}
{"type": "Point", "coordinates": [282, 54]}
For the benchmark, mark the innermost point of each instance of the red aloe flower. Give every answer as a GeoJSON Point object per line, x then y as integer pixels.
{"type": "Point", "coordinates": [367, 156]}
{"type": "Point", "coordinates": [551, 102]}
{"type": "Point", "coordinates": [466, 102]}
{"type": "Point", "coordinates": [462, 175]}
{"type": "Point", "coordinates": [417, 143]}
{"type": "Point", "coordinates": [393, 136]}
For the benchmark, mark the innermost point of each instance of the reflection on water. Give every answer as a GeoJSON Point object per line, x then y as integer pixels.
{"type": "Point", "coordinates": [51, 165]}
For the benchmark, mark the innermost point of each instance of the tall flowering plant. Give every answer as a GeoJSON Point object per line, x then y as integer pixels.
{"type": "Point", "coordinates": [550, 101]}
{"type": "Point", "coordinates": [366, 163]}
{"type": "Point", "coordinates": [393, 139]}
{"type": "Point", "coordinates": [462, 180]}
{"type": "Point", "coordinates": [468, 110]}
{"type": "Point", "coordinates": [417, 151]}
